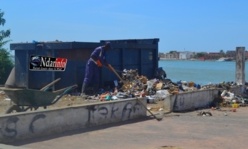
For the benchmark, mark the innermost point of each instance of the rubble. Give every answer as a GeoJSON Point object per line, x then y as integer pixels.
{"type": "Point", "coordinates": [204, 113]}
{"type": "Point", "coordinates": [156, 89]}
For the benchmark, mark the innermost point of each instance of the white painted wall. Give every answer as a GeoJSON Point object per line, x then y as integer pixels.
{"type": "Point", "coordinates": [192, 100]}
{"type": "Point", "coordinates": [40, 123]}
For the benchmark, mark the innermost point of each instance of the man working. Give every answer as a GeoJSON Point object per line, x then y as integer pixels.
{"type": "Point", "coordinates": [92, 71]}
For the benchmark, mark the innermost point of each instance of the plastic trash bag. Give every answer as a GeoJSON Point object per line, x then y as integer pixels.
{"type": "Point", "coordinates": [161, 94]}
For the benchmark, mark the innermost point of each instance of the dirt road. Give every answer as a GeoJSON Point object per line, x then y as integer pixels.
{"type": "Point", "coordinates": [223, 130]}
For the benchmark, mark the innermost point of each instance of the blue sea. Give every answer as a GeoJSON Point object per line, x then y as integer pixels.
{"type": "Point", "coordinates": [201, 72]}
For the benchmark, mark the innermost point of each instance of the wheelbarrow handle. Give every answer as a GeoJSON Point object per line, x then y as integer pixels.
{"type": "Point", "coordinates": [45, 88]}
{"type": "Point", "coordinates": [68, 89]}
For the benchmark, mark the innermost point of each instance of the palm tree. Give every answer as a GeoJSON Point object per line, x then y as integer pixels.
{"type": "Point", "coordinates": [3, 33]}
{"type": "Point", "coordinates": [6, 63]}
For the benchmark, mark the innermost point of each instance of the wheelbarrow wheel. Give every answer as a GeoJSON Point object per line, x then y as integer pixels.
{"type": "Point", "coordinates": [13, 109]}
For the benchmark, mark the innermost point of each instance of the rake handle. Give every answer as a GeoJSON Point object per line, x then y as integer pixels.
{"type": "Point", "coordinates": [115, 72]}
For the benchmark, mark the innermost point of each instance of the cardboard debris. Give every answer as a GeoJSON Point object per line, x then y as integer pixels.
{"type": "Point", "coordinates": [159, 86]}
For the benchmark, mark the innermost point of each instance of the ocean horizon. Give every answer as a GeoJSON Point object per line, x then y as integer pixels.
{"type": "Point", "coordinates": [201, 72]}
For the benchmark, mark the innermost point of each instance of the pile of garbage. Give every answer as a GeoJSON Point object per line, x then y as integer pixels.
{"type": "Point", "coordinates": [135, 85]}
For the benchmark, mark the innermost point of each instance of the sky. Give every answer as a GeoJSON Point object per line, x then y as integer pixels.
{"type": "Point", "coordinates": [181, 25]}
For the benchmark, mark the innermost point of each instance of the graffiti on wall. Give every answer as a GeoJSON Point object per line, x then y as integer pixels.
{"type": "Point", "coordinates": [9, 127]}
{"type": "Point", "coordinates": [121, 112]}
{"type": "Point", "coordinates": [112, 111]}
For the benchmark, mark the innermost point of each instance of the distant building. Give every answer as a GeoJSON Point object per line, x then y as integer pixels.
{"type": "Point", "coordinates": [213, 55]}
{"type": "Point", "coordinates": [186, 55]}
{"type": "Point", "coordinates": [246, 55]}
{"type": "Point", "coordinates": [231, 54]}
{"type": "Point", "coordinates": [161, 55]}
{"type": "Point", "coordinates": [172, 55]}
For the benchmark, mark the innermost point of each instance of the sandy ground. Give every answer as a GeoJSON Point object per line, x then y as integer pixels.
{"type": "Point", "coordinates": [4, 102]}
{"type": "Point", "coordinates": [225, 129]}
{"type": "Point", "coordinates": [65, 101]}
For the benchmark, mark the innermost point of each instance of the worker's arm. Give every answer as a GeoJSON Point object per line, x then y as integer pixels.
{"type": "Point", "coordinates": [104, 62]}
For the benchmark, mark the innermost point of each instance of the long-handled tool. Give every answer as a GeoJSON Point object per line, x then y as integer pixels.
{"type": "Point", "coordinates": [116, 73]}
{"type": "Point", "coordinates": [49, 85]}
{"type": "Point", "coordinates": [157, 118]}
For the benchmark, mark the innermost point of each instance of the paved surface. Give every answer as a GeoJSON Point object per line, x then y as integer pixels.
{"type": "Point", "coordinates": [222, 130]}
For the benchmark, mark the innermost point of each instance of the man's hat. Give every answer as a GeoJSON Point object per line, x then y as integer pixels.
{"type": "Point", "coordinates": [108, 45]}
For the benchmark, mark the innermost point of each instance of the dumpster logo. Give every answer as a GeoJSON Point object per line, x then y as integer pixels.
{"type": "Point", "coordinates": [41, 63]}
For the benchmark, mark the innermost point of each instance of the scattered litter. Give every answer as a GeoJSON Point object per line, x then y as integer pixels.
{"type": "Point", "coordinates": [150, 99]}
{"type": "Point", "coordinates": [216, 108]}
{"type": "Point", "coordinates": [8, 99]}
{"type": "Point", "coordinates": [157, 89]}
{"type": "Point", "coordinates": [114, 97]}
{"type": "Point", "coordinates": [203, 113]}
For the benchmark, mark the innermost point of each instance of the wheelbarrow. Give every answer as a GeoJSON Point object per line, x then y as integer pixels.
{"type": "Point", "coordinates": [29, 99]}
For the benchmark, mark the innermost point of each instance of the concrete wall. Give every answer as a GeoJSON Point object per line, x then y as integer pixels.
{"type": "Point", "coordinates": [26, 125]}
{"type": "Point", "coordinates": [193, 100]}
{"type": "Point", "coordinates": [189, 100]}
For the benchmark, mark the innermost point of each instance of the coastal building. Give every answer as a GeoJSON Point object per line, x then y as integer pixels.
{"type": "Point", "coordinates": [172, 55]}
{"type": "Point", "coordinates": [213, 55]}
{"type": "Point", "coordinates": [246, 55]}
{"type": "Point", "coordinates": [186, 55]}
{"type": "Point", "coordinates": [161, 55]}
{"type": "Point", "coordinates": [231, 54]}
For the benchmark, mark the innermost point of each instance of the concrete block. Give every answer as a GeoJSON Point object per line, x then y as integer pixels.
{"type": "Point", "coordinates": [188, 101]}
{"type": "Point", "coordinates": [26, 125]}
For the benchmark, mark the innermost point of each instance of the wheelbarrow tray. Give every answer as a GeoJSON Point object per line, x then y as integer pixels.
{"type": "Point", "coordinates": [30, 97]}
